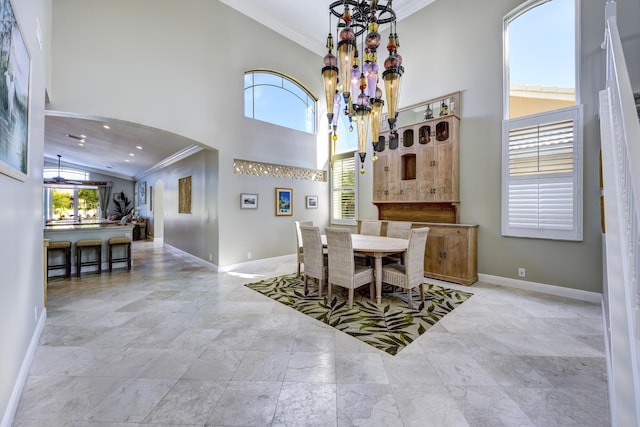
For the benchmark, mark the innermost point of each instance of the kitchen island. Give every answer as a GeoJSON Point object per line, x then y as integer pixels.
{"type": "Point", "coordinates": [73, 231]}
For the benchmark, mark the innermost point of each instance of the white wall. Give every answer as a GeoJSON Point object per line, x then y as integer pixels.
{"type": "Point", "coordinates": [21, 251]}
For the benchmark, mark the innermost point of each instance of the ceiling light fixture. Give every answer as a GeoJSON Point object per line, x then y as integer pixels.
{"type": "Point", "coordinates": [358, 85]}
{"type": "Point", "coordinates": [138, 147]}
{"type": "Point", "coordinates": [106, 126]}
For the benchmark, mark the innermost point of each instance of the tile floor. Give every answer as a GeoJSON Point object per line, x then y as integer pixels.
{"type": "Point", "coordinates": [173, 344]}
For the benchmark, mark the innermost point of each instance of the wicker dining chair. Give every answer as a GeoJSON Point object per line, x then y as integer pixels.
{"type": "Point", "coordinates": [411, 273]}
{"type": "Point", "coordinates": [315, 261]}
{"type": "Point", "coordinates": [398, 230]}
{"type": "Point", "coordinates": [371, 228]}
{"type": "Point", "coordinates": [343, 271]}
{"type": "Point", "coordinates": [299, 241]}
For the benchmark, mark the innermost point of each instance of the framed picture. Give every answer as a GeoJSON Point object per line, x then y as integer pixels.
{"type": "Point", "coordinates": [15, 70]}
{"type": "Point", "coordinates": [312, 202]}
{"type": "Point", "coordinates": [184, 195]}
{"type": "Point", "coordinates": [248, 201]}
{"type": "Point", "coordinates": [284, 201]}
{"type": "Point", "coordinates": [142, 193]}
{"type": "Point", "coordinates": [150, 199]}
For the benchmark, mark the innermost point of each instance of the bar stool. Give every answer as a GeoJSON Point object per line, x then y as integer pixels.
{"type": "Point", "coordinates": [88, 244]}
{"type": "Point", "coordinates": [120, 241]}
{"type": "Point", "coordinates": [63, 246]}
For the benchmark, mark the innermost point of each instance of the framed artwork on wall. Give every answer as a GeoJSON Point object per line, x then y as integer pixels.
{"type": "Point", "coordinates": [312, 202]}
{"type": "Point", "coordinates": [142, 193]}
{"type": "Point", "coordinates": [15, 69]}
{"type": "Point", "coordinates": [184, 195]}
{"type": "Point", "coordinates": [248, 201]}
{"type": "Point", "coordinates": [284, 201]}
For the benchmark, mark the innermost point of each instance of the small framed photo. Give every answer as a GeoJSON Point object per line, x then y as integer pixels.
{"type": "Point", "coordinates": [284, 201]}
{"type": "Point", "coordinates": [142, 193]}
{"type": "Point", "coordinates": [248, 201]}
{"type": "Point", "coordinates": [312, 202]}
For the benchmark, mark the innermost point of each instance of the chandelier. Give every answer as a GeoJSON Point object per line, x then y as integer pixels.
{"type": "Point", "coordinates": [347, 79]}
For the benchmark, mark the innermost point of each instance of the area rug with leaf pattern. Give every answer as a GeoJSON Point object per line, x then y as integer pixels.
{"type": "Point", "coordinates": [389, 326]}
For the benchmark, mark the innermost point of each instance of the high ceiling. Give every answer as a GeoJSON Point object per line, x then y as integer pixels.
{"type": "Point", "coordinates": [107, 150]}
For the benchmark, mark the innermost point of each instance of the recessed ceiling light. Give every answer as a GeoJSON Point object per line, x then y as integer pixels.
{"type": "Point", "coordinates": [138, 147]}
{"type": "Point", "coordinates": [81, 144]}
{"type": "Point", "coordinates": [132, 155]}
{"type": "Point", "coordinates": [106, 126]}
{"type": "Point", "coordinates": [83, 136]}
{"type": "Point", "coordinates": [127, 160]}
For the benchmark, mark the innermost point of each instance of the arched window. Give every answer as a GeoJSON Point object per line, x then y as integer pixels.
{"type": "Point", "coordinates": [542, 128]}
{"type": "Point", "coordinates": [275, 98]}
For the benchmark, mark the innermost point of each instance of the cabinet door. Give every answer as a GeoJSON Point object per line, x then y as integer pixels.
{"type": "Point", "coordinates": [392, 173]}
{"type": "Point", "coordinates": [380, 177]}
{"type": "Point", "coordinates": [433, 253]}
{"type": "Point", "coordinates": [442, 172]}
{"type": "Point", "coordinates": [407, 191]}
{"type": "Point", "coordinates": [455, 262]}
{"type": "Point", "coordinates": [426, 172]}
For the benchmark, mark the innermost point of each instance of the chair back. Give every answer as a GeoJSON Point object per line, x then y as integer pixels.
{"type": "Point", "coordinates": [414, 259]}
{"type": "Point", "coordinates": [314, 265]}
{"type": "Point", "coordinates": [371, 228]}
{"type": "Point", "coordinates": [398, 229]}
{"type": "Point", "coordinates": [341, 262]}
{"type": "Point", "coordinates": [299, 236]}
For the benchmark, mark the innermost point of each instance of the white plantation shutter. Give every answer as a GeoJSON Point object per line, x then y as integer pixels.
{"type": "Point", "coordinates": [344, 200]}
{"type": "Point", "coordinates": [542, 175]}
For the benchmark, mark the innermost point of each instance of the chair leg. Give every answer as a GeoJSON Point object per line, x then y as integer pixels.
{"type": "Point", "coordinates": [298, 269]}
{"type": "Point", "coordinates": [422, 292]}
{"type": "Point", "coordinates": [329, 291]}
{"type": "Point", "coordinates": [372, 292]}
{"type": "Point", "coordinates": [350, 298]}
{"type": "Point", "coordinates": [129, 256]}
{"type": "Point", "coordinates": [409, 298]}
{"type": "Point", "coordinates": [320, 284]}
{"type": "Point", "coordinates": [305, 288]}
{"type": "Point", "coordinates": [67, 270]}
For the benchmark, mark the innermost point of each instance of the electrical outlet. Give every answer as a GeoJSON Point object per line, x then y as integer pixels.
{"type": "Point", "coordinates": [522, 272]}
{"type": "Point", "coordinates": [249, 255]}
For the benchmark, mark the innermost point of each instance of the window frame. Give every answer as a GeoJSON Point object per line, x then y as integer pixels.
{"type": "Point", "coordinates": [543, 231]}
{"type": "Point", "coordinates": [545, 180]}
{"type": "Point", "coordinates": [517, 12]}
{"type": "Point", "coordinates": [312, 100]}
{"type": "Point", "coordinates": [340, 158]}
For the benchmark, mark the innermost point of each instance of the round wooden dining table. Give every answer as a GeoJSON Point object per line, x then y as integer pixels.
{"type": "Point", "coordinates": [376, 247]}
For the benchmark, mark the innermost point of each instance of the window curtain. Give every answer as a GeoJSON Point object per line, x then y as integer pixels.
{"type": "Point", "coordinates": [104, 196]}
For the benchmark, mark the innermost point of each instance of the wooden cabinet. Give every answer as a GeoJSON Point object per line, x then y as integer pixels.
{"type": "Point", "coordinates": [451, 252]}
{"type": "Point", "coordinates": [423, 166]}
{"type": "Point", "coordinates": [416, 179]}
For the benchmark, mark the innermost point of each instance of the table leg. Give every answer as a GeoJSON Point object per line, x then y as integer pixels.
{"type": "Point", "coordinates": [378, 273]}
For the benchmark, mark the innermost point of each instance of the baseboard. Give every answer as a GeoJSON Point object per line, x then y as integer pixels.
{"type": "Point", "coordinates": [14, 400]}
{"type": "Point", "coordinates": [578, 294]}
{"type": "Point", "coordinates": [206, 264]}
